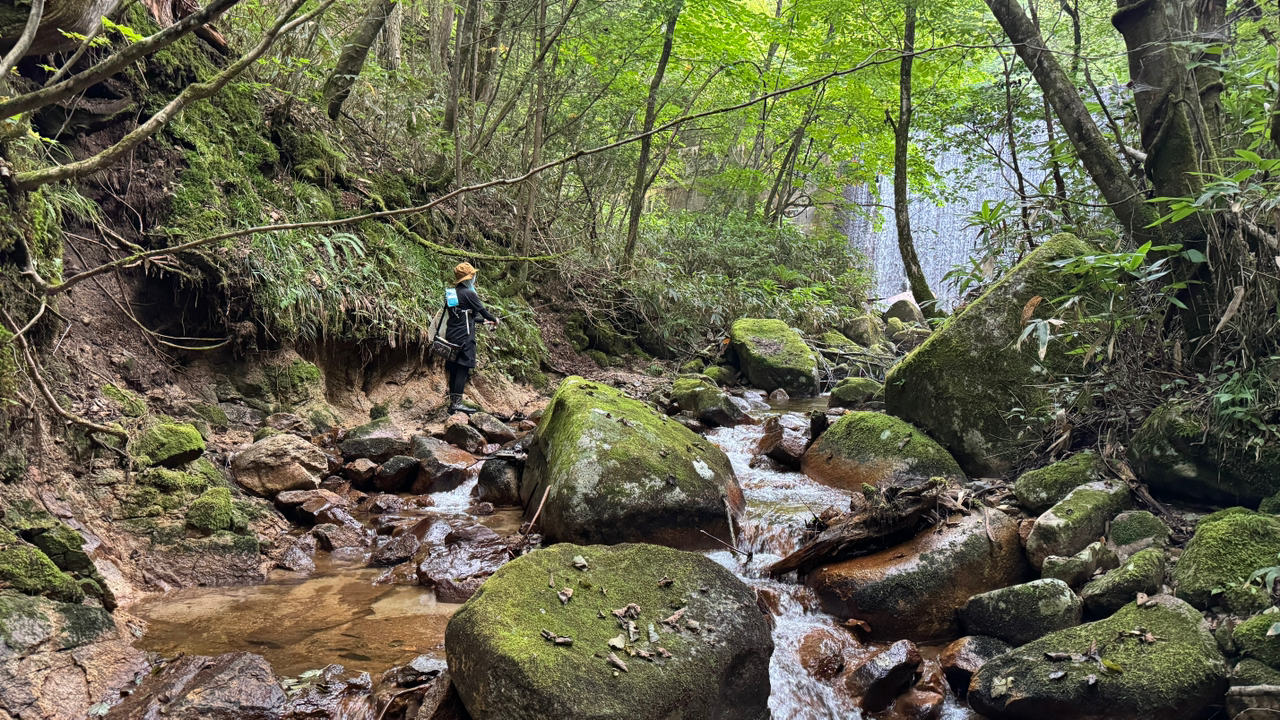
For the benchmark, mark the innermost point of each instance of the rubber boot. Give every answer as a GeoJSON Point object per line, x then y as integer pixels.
{"type": "Point", "coordinates": [456, 405]}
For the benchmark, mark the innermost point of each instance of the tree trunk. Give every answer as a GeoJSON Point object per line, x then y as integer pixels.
{"type": "Point", "coordinates": [354, 52]}
{"type": "Point", "coordinates": [636, 206]}
{"type": "Point", "coordinates": [1211, 27]}
{"type": "Point", "coordinates": [901, 198]}
{"type": "Point", "coordinates": [60, 21]}
{"type": "Point", "coordinates": [1104, 167]}
{"type": "Point", "coordinates": [392, 32]}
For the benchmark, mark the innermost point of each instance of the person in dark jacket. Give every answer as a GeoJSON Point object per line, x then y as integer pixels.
{"type": "Point", "coordinates": [461, 331]}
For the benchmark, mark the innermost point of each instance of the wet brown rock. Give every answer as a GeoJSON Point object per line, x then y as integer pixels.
{"type": "Point", "coordinates": [278, 464]}
{"type": "Point", "coordinates": [464, 436]}
{"type": "Point", "coordinates": [883, 676]}
{"type": "Point", "coordinates": [298, 555]}
{"type": "Point", "coordinates": [914, 590]}
{"type": "Point", "coordinates": [383, 503]}
{"type": "Point", "coordinates": [779, 395]}
{"type": "Point", "coordinates": [235, 686]}
{"type": "Point", "coordinates": [916, 704]}
{"type": "Point", "coordinates": [468, 556]}
{"type": "Point", "coordinates": [337, 537]}
{"type": "Point", "coordinates": [398, 549]}
{"type": "Point", "coordinates": [826, 652]}
{"type": "Point", "coordinates": [964, 657]}
{"type": "Point", "coordinates": [493, 429]}
{"type": "Point", "coordinates": [308, 506]}
{"type": "Point", "coordinates": [870, 448]}
{"type": "Point", "coordinates": [395, 474]}
{"type": "Point", "coordinates": [443, 466]}
{"type": "Point", "coordinates": [63, 684]}
{"type": "Point", "coordinates": [499, 482]}
{"type": "Point", "coordinates": [360, 470]}
{"type": "Point", "coordinates": [781, 445]}
{"type": "Point", "coordinates": [330, 695]}
{"type": "Point", "coordinates": [336, 484]}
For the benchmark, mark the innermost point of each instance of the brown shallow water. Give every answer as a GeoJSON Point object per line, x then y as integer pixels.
{"type": "Point", "coordinates": [335, 615]}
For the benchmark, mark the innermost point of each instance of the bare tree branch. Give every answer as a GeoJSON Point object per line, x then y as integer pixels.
{"type": "Point", "coordinates": [31, 180]}
{"type": "Point", "coordinates": [28, 36]}
{"type": "Point", "coordinates": [117, 62]}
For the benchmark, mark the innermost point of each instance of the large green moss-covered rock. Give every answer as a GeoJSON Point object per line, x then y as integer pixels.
{"type": "Point", "coordinates": [1038, 490]}
{"type": "Point", "coordinates": [27, 569]}
{"type": "Point", "coordinates": [1175, 453]}
{"type": "Point", "coordinates": [1142, 573]}
{"type": "Point", "coordinates": [1138, 528]}
{"type": "Point", "coordinates": [773, 356]}
{"type": "Point", "coordinates": [707, 644]}
{"type": "Point", "coordinates": [1174, 678]}
{"type": "Point", "coordinates": [214, 511]}
{"type": "Point", "coordinates": [168, 444]}
{"type": "Point", "coordinates": [620, 472]}
{"type": "Point", "coordinates": [1019, 614]}
{"type": "Point", "coordinates": [1225, 550]}
{"type": "Point", "coordinates": [701, 396]}
{"type": "Point", "coordinates": [1077, 520]}
{"type": "Point", "coordinates": [1252, 639]}
{"type": "Point", "coordinates": [869, 448]}
{"type": "Point", "coordinates": [866, 330]}
{"type": "Point", "coordinates": [962, 382]}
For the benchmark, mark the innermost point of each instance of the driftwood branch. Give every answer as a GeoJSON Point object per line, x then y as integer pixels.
{"type": "Point", "coordinates": [31, 180]}
{"type": "Point", "coordinates": [80, 81]}
{"type": "Point", "coordinates": [28, 36]}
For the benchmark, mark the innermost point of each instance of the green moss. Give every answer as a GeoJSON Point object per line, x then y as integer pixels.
{"type": "Point", "coordinates": [870, 448]}
{"type": "Point", "coordinates": [172, 481]}
{"type": "Point", "coordinates": [130, 402]}
{"type": "Point", "coordinates": [1038, 490]}
{"type": "Point", "coordinates": [720, 374]}
{"type": "Point", "coordinates": [599, 358]}
{"type": "Point", "coordinates": [25, 568]}
{"type": "Point", "coordinates": [1077, 520]}
{"type": "Point", "coordinates": [1225, 550]}
{"type": "Point", "coordinates": [854, 391]}
{"type": "Point", "coordinates": [838, 342]}
{"type": "Point", "coordinates": [1019, 614]}
{"type": "Point", "coordinates": [1154, 679]}
{"type": "Point", "coordinates": [496, 636]}
{"type": "Point", "coordinates": [294, 384]}
{"type": "Point", "coordinates": [896, 326]}
{"type": "Point", "coordinates": [212, 511]}
{"type": "Point", "coordinates": [1253, 641]}
{"type": "Point", "coordinates": [620, 470]}
{"type": "Point", "coordinates": [693, 367]}
{"type": "Point", "coordinates": [1138, 525]}
{"type": "Point", "coordinates": [212, 414]}
{"type": "Point", "coordinates": [774, 356]}
{"type": "Point", "coordinates": [1142, 573]}
{"type": "Point", "coordinates": [1254, 672]}
{"type": "Point", "coordinates": [866, 330]}
{"type": "Point", "coordinates": [168, 444]}
{"type": "Point", "coordinates": [25, 620]}
{"type": "Point", "coordinates": [961, 382]}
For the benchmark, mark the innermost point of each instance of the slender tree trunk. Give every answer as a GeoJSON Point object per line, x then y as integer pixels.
{"type": "Point", "coordinates": [535, 151]}
{"type": "Point", "coordinates": [901, 196]}
{"type": "Point", "coordinates": [1122, 194]}
{"type": "Point", "coordinates": [389, 51]}
{"type": "Point", "coordinates": [354, 52]}
{"type": "Point", "coordinates": [636, 206]}
{"type": "Point", "coordinates": [464, 49]}
{"type": "Point", "coordinates": [439, 29]}
{"type": "Point", "coordinates": [1211, 27]}
{"type": "Point", "coordinates": [1011, 137]}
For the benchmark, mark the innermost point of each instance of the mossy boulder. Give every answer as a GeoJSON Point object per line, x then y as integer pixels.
{"type": "Point", "coordinates": [1077, 520]}
{"type": "Point", "coordinates": [32, 624]}
{"type": "Point", "coordinates": [27, 569]}
{"type": "Point", "coordinates": [1253, 640]}
{"type": "Point", "coordinates": [693, 367]}
{"type": "Point", "coordinates": [869, 448]}
{"type": "Point", "coordinates": [1079, 568]}
{"type": "Point", "coordinates": [213, 511]}
{"type": "Point", "coordinates": [619, 472]}
{"type": "Point", "coordinates": [131, 404]}
{"type": "Point", "coordinates": [1142, 573]}
{"type": "Point", "coordinates": [703, 398]}
{"type": "Point", "coordinates": [1228, 546]}
{"type": "Point", "coordinates": [960, 384]}
{"type": "Point", "coordinates": [168, 444]}
{"type": "Point", "coordinates": [1174, 678]}
{"type": "Point", "coordinates": [916, 589]}
{"type": "Point", "coordinates": [903, 308]}
{"type": "Point", "coordinates": [1249, 672]}
{"type": "Point", "coordinates": [689, 633]}
{"type": "Point", "coordinates": [854, 392]}
{"type": "Point", "coordinates": [773, 356]}
{"type": "Point", "coordinates": [378, 440]}
{"type": "Point", "coordinates": [1138, 528]}
{"type": "Point", "coordinates": [1021, 613]}
{"type": "Point", "coordinates": [721, 374]}
{"type": "Point", "coordinates": [1038, 490]}
{"type": "Point", "coordinates": [173, 481]}
{"type": "Point", "coordinates": [866, 330]}
{"type": "Point", "coordinates": [1176, 453]}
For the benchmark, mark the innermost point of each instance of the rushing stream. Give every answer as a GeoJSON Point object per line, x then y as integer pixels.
{"type": "Point", "coordinates": [339, 615]}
